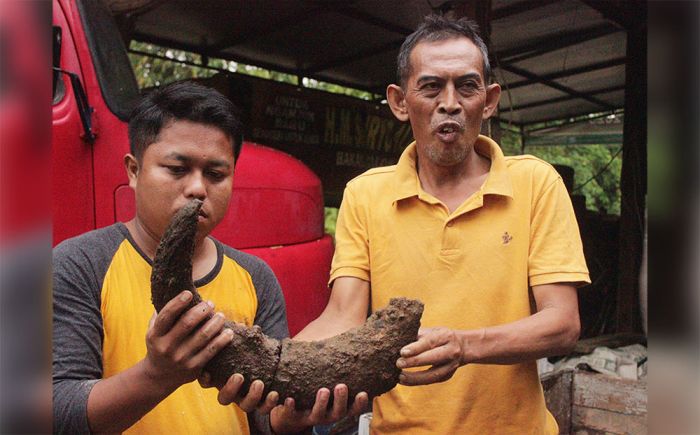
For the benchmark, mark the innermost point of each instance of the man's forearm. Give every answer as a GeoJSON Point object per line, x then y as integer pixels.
{"type": "Point", "coordinates": [546, 333]}
{"type": "Point", "coordinates": [325, 326]}
{"type": "Point", "coordinates": [346, 309]}
{"type": "Point", "coordinates": [117, 402]}
{"type": "Point", "coordinates": [553, 330]}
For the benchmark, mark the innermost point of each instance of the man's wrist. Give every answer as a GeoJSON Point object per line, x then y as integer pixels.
{"type": "Point", "coordinates": [470, 342]}
{"type": "Point", "coordinates": [159, 385]}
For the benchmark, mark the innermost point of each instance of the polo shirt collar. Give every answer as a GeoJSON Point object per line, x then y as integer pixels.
{"type": "Point", "coordinates": [498, 182]}
{"type": "Point", "coordinates": [406, 176]}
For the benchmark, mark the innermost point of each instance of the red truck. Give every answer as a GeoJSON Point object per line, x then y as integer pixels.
{"type": "Point", "coordinates": [277, 209]}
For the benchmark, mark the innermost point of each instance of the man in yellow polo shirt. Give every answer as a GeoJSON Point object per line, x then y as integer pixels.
{"type": "Point", "coordinates": [489, 244]}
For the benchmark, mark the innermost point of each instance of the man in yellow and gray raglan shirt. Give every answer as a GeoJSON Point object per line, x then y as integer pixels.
{"type": "Point", "coordinates": [112, 371]}
{"type": "Point", "coordinates": [102, 307]}
{"type": "Point", "coordinates": [471, 269]}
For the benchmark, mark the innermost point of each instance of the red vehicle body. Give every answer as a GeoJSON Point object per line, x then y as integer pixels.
{"type": "Point", "coordinates": [277, 208]}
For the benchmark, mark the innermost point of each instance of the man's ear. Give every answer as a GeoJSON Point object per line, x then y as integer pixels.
{"type": "Point", "coordinates": [493, 96]}
{"type": "Point", "coordinates": [132, 169]}
{"type": "Point", "coordinates": [397, 102]}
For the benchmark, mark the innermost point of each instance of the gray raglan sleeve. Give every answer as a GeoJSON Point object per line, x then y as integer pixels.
{"type": "Point", "coordinates": [77, 334]}
{"type": "Point", "coordinates": [271, 315]}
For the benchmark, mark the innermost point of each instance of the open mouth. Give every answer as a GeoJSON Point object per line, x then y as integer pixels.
{"type": "Point", "coordinates": [447, 131]}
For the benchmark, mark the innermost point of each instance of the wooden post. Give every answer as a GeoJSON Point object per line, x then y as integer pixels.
{"type": "Point", "coordinates": [633, 183]}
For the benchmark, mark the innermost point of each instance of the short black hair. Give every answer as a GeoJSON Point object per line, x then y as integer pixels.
{"type": "Point", "coordinates": [186, 101]}
{"type": "Point", "coordinates": [438, 28]}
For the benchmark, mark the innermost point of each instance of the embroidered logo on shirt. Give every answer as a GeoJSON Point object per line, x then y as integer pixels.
{"type": "Point", "coordinates": [506, 238]}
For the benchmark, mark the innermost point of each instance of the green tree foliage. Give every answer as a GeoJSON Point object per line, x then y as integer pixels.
{"type": "Point", "coordinates": [267, 74]}
{"type": "Point", "coordinates": [338, 89]}
{"type": "Point", "coordinates": [165, 65]}
{"type": "Point", "coordinates": [330, 217]}
{"type": "Point", "coordinates": [510, 142]}
{"type": "Point", "coordinates": [597, 169]}
{"type": "Point", "coordinates": [154, 71]}
{"type": "Point", "coordinates": [597, 172]}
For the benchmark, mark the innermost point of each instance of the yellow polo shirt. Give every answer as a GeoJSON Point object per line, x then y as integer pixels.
{"type": "Point", "coordinates": [472, 269]}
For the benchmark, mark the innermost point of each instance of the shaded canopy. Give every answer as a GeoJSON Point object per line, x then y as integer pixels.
{"type": "Point", "coordinates": [554, 59]}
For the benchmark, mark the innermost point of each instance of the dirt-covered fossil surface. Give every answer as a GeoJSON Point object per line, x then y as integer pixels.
{"type": "Point", "coordinates": [363, 358]}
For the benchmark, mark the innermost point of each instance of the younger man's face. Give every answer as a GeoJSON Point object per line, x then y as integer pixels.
{"type": "Point", "coordinates": [188, 160]}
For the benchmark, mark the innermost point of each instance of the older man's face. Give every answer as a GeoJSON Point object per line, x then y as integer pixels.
{"type": "Point", "coordinates": [446, 99]}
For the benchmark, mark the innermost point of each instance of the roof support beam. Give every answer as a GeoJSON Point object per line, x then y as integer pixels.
{"type": "Point", "coordinates": [575, 119]}
{"type": "Point", "coordinates": [560, 99]}
{"type": "Point", "coordinates": [170, 59]}
{"type": "Point", "coordinates": [163, 42]}
{"type": "Point", "coordinates": [569, 116]}
{"type": "Point", "coordinates": [554, 42]}
{"type": "Point", "coordinates": [379, 90]}
{"type": "Point", "coordinates": [568, 72]}
{"type": "Point", "coordinates": [555, 85]}
{"type": "Point", "coordinates": [208, 52]}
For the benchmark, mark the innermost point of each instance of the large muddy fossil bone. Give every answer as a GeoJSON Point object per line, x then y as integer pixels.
{"type": "Point", "coordinates": [363, 358]}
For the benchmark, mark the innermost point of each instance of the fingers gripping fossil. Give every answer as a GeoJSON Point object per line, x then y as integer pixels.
{"type": "Point", "coordinates": [363, 358]}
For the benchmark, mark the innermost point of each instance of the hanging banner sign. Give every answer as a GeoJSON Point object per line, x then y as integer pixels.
{"type": "Point", "coordinates": [337, 136]}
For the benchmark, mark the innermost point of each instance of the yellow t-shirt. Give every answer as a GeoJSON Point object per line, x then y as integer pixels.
{"type": "Point", "coordinates": [126, 309]}
{"type": "Point", "coordinates": [102, 306]}
{"type": "Point", "coordinates": [471, 269]}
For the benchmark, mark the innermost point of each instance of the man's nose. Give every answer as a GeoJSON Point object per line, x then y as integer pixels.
{"type": "Point", "coordinates": [449, 101]}
{"type": "Point", "coordinates": [196, 187]}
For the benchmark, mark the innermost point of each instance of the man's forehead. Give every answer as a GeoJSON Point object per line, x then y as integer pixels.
{"type": "Point", "coordinates": [182, 139]}
{"type": "Point", "coordinates": [187, 124]}
{"type": "Point", "coordinates": [457, 52]}
{"type": "Point", "coordinates": [178, 127]}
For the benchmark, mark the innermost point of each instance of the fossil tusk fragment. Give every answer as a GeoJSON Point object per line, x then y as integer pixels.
{"type": "Point", "coordinates": [363, 358]}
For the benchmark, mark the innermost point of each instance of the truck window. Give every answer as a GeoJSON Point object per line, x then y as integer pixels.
{"type": "Point", "coordinates": [156, 65]}
{"type": "Point", "coordinates": [59, 88]}
{"type": "Point", "coordinates": [117, 81]}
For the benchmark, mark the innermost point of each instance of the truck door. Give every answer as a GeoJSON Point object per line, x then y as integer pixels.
{"type": "Point", "coordinates": [89, 174]}
{"type": "Point", "coordinates": [72, 199]}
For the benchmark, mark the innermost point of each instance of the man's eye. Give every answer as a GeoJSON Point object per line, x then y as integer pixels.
{"type": "Point", "coordinates": [216, 175]}
{"type": "Point", "coordinates": [177, 170]}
